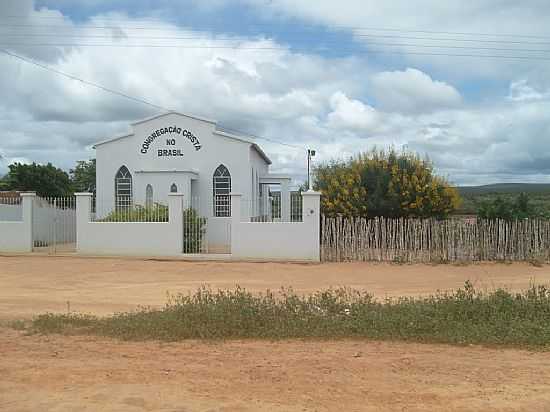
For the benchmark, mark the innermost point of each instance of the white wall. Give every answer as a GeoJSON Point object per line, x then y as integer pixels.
{"type": "Point", "coordinates": [277, 241]}
{"type": "Point", "coordinates": [14, 237]}
{"type": "Point", "coordinates": [17, 236]}
{"type": "Point", "coordinates": [11, 213]}
{"type": "Point", "coordinates": [127, 238]}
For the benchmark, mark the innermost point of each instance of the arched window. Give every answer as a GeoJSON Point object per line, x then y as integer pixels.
{"type": "Point", "coordinates": [123, 188]}
{"type": "Point", "coordinates": [149, 196]}
{"type": "Point", "coordinates": [222, 188]}
{"type": "Point", "coordinates": [174, 188]}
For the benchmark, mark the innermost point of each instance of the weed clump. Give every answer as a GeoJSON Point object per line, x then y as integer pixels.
{"type": "Point", "coordinates": [466, 316]}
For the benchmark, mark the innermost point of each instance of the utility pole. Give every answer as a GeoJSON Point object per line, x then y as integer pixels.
{"type": "Point", "coordinates": [310, 154]}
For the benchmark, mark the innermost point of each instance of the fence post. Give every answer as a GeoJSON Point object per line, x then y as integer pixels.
{"type": "Point", "coordinates": [285, 201]}
{"type": "Point", "coordinates": [236, 199]}
{"type": "Point", "coordinates": [83, 214]}
{"type": "Point", "coordinates": [27, 209]}
{"type": "Point", "coordinates": [311, 214]}
{"type": "Point", "coordinates": [175, 218]}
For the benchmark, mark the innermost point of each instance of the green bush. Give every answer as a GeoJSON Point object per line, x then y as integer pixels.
{"type": "Point", "coordinates": [384, 183]}
{"type": "Point", "coordinates": [467, 316]}
{"type": "Point", "coordinates": [138, 213]}
{"type": "Point", "coordinates": [194, 229]}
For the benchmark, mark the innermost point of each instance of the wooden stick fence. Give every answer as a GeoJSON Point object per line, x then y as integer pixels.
{"type": "Point", "coordinates": [430, 240]}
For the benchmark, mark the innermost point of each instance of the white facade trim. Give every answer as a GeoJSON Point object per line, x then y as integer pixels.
{"type": "Point", "coordinates": [114, 139]}
{"type": "Point", "coordinates": [273, 179]}
{"type": "Point", "coordinates": [148, 119]}
{"type": "Point", "coordinates": [194, 173]}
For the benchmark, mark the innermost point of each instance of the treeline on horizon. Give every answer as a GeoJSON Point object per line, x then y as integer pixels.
{"type": "Point", "coordinates": [377, 183]}
{"type": "Point", "coordinates": [535, 198]}
{"type": "Point", "coordinates": [48, 180]}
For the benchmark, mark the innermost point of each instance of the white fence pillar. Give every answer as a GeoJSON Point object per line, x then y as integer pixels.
{"type": "Point", "coordinates": [311, 213]}
{"type": "Point", "coordinates": [236, 199]}
{"type": "Point", "coordinates": [17, 236]}
{"type": "Point", "coordinates": [175, 217]}
{"type": "Point", "coordinates": [83, 214]}
{"type": "Point", "coordinates": [27, 205]}
{"type": "Point", "coordinates": [285, 201]}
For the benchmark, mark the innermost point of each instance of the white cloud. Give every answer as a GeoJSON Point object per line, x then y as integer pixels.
{"type": "Point", "coordinates": [413, 91]}
{"type": "Point", "coordinates": [351, 114]}
{"type": "Point", "coordinates": [522, 91]}
{"type": "Point", "coordinates": [337, 105]}
{"type": "Point", "coordinates": [413, 25]}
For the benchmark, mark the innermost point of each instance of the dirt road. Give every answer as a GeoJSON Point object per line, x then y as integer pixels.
{"type": "Point", "coordinates": [36, 284]}
{"type": "Point", "coordinates": [56, 373]}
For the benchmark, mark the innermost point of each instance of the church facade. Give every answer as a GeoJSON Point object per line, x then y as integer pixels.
{"type": "Point", "coordinates": [178, 153]}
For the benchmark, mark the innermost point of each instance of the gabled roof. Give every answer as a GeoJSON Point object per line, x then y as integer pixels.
{"type": "Point", "coordinates": [173, 112]}
{"type": "Point", "coordinates": [217, 131]}
{"type": "Point", "coordinates": [245, 140]}
{"type": "Point", "coordinates": [113, 139]}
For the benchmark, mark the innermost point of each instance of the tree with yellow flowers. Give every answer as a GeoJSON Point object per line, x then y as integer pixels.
{"type": "Point", "coordinates": [384, 183]}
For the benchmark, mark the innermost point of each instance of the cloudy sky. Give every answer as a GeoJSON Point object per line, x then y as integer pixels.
{"type": "Point", "coordinates": [465, 83]}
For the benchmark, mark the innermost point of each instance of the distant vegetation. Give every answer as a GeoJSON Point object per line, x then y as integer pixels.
{"type": "Point", "coordinates": [467, 316]}
{"type": "Point", "coordinates": [48, 180]}
{"type": "Point", "coordinates": [506, 196]}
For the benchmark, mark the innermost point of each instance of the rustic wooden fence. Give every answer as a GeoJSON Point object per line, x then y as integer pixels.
{"type": "Point", "coordinates": [430, 240]}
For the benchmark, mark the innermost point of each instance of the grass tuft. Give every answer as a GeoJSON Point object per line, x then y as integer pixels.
{"type": "Point", "coordinates": [466, 316]}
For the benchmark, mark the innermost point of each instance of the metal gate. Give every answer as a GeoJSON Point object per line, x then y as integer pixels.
{"type": "Point", "coordinates": [203, 235]}
{"type": "Point", "coordinates": [54, 224]}
{"type": "Point", "coordinates": [195, 230]}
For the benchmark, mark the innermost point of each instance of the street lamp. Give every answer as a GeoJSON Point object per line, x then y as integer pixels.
{"type": "Point", "coordinates": [310, 154]}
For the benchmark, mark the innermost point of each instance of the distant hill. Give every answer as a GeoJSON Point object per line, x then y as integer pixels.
{"type": "Point", "coordinates": [472, 196]}
{"type": "Point", "coordinates": [504, 188]}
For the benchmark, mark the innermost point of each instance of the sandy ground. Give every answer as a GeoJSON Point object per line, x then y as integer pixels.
{"type": "Point", "coordinates": [36, 284]}
{"type": "Point", "coordinates": [56, 373]}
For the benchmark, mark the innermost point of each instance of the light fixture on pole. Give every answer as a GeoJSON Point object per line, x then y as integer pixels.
{"type": "Point", "coordinates": [310, 154]}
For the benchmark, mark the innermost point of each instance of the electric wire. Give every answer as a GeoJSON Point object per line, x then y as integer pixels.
{"type": "Point", "coordinates": [302, 25]}
{"type": "Point", "coordinates": [127, 96]}
{"type": "Point", "coordinates": [247, 48]}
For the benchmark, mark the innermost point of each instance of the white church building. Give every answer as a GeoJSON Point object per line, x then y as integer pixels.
{"type": "Point", "coordinates": [174, 152]}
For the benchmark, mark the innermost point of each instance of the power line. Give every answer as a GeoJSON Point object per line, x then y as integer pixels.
{"type": "Point", "coordinates": [288, 31]}
{"type": "Point", "coordinates": [318, 48]}
{"type": "Point", "coordinates": [390, 36]}
{"type": "Point", "coordinates": [263, 138]}
{"type": "Point", "coordinates": [86, 82]}
{"type": "Point", "coordinates": [302, 25]}
{"type": "Point", "coordinates": [264, 36]}
{"type": "Point", "coordinates": [211, 37]}
{"type": "Point", "coordinates": [246, 48]}
{"type": "Point", "coordinates": [124, 95]}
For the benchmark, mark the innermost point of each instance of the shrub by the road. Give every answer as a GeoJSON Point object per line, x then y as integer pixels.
{"type": "Point", "coordinates": [466, 316]}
